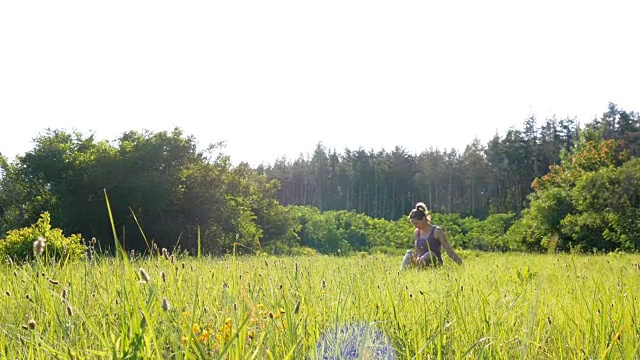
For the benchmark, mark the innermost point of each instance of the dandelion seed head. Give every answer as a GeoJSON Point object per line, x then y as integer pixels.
{"type": "Point", "coordinates": [39, 245]}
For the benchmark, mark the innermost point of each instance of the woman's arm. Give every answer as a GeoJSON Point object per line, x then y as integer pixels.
{"type": "Point", "coordinates": [414, 260]}
{"type": "Point", "coordinates": [440, 235]}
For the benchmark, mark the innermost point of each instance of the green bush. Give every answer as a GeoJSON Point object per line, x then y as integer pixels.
{"type": "Point", "coordinates": [19, 243]}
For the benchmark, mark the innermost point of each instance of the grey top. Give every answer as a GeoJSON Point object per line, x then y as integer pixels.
{"type": "Point", "coordinates": [428, 243]}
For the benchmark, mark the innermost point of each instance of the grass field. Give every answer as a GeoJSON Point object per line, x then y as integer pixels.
{"type": "Point", "coordinates": [494, 306]}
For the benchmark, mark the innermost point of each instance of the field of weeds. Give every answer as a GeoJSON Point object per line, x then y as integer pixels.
{"type": "Point", "coordinates": [498, 306]}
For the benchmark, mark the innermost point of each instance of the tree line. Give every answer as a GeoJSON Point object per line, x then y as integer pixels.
{"type": "Point", "coordinates": [482, 179]}
{"type": "Point", "coordinates": [534, 188]}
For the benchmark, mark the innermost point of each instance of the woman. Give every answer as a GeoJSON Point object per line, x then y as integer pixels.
{"type": "Point", "coordinates": [429, 240]}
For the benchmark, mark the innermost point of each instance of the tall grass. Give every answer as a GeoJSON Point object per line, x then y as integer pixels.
{"type": "Point", "coordinates": [495, 306]}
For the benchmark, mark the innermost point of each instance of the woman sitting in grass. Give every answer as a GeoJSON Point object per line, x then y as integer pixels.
{"type": "Point", "coordinates": [429, 240]}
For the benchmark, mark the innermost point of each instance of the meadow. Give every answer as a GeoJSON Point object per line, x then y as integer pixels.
{"type": "Point", "coordinates": [497, 306]}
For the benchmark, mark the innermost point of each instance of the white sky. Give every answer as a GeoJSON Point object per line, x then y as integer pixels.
{"type": "Point", "coordinates": [368, 73]}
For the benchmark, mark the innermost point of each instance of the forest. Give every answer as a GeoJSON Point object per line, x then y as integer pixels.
{"type": "Point", "coordinates": [549, 185]}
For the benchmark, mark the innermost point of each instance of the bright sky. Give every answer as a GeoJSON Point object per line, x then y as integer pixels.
{"type": "Point", "coordinates": [273, 78]}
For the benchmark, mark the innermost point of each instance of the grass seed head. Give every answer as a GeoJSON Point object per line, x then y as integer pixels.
{"type": "Point", "coordinates": [31, 324]}
{"type": "Point", "coordinates": [69, 310]}
{"type": "Point", "coordinates": [165, 304]}
{"type": "Point", "coordinates": [143, 275]}
{"type": "Point", "coordinates": [164, 277]}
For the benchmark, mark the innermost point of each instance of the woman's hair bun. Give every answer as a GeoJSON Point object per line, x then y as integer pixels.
{"type": "Point", "coordinates": [422, 207]}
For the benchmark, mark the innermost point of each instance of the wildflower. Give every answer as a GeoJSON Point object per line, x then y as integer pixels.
{"type": "Point", "coordinates": [39, 245]}
{"type": "Point", "coordinates": [227, 328]}
{"type": "Point", "coordinates": [204, 336]}
{"type": "Point", "coordinates": [195, 329]}
{"type": "Point", "coordinates": [165, 304]}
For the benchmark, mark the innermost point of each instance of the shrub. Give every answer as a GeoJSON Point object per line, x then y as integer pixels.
{"type": "Point", "coordinates": [19, 243]}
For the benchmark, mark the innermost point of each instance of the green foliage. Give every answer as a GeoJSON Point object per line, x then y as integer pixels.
{"type": "Point", "coordinates": [19, 243]}
{"type": "Point", "coordinates": [589, 201]}
{"type": "Point", "coordinates": [163, 189]}
{"type": "Point", "coordinates": [157, 180]}
{"type": "Point", "coordinates": [490, 234]}
{"type": "Point", "coordinates": [608, 209]}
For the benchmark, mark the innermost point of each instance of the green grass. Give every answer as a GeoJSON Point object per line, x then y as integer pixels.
{"type": "Point", "coordinates": [495, 306]}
